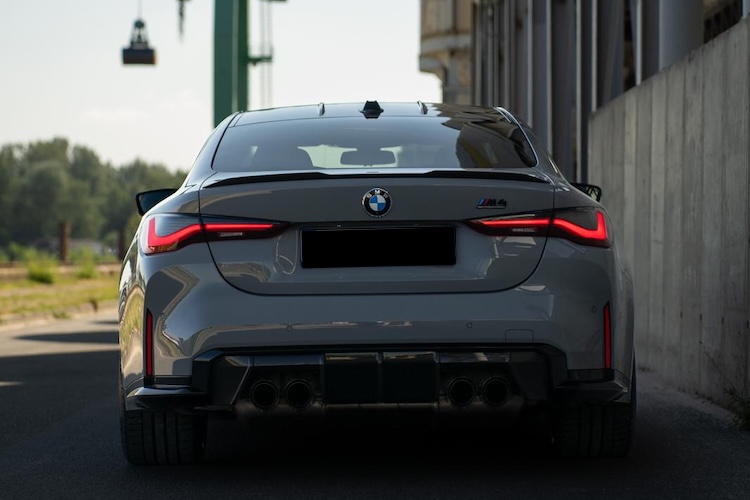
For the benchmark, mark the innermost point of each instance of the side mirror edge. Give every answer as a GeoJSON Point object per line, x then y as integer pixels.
{"type": "Point", "coordinates": [594, 192]}
{"type": "Point", "coordinates": [146, 200]}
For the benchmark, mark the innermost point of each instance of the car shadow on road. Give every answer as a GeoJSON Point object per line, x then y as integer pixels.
{"type": "Point", "coordinates": [40, 390]}
{"type": "Point", "coordinates": [101, 337]}
{"type": "Point", "coordinates": [111, 322]}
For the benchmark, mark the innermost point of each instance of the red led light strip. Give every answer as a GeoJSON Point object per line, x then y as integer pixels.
{"type": "Point", "coordinates": [218, 228]}
{"type": "Point", "coordinates": [515, 223]}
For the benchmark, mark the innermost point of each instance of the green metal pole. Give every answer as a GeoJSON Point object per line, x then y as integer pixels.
{"type": "Point", "coordinates": [243, 55]}
{"type": "Point", "coordinates": [226, 55]}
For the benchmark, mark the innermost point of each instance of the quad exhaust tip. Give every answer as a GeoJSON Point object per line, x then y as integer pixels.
{"type": "Point", "coordinates": [264, 394]}
{"type": "Point", "coordinates": [496, 391]}
{"type": "Point", "coordinates": [299, 394]}
{"type": "Point", "coordinates": [461, 392]}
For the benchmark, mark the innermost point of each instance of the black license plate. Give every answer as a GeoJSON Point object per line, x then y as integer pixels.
{"type": "Point", "coordinates": [378, 247]}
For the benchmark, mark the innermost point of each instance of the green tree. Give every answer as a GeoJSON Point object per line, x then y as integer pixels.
{"type": "Point", "coordinates": [41, 202]}
{"type": "Point", "coordinates": [47, 182]}
{"type": "Point", "coordinates": [9, 165]}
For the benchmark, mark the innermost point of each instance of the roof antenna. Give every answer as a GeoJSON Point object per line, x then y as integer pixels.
{"type": "Point", "coordinates": [371, 110]}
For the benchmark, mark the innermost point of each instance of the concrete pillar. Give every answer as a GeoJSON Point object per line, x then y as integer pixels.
{"type": "Point", "coordinates": [636, 30]}
{"type": "Point", "coordinates": [594, 33]}
{"type": "Point", "coordinates": [680, 29]}
{"type": "Point", "coordinates": [584, 57]}
{"type": "Point", "coordinates": [562, 66]}
{"type": "Point", "coordinates": [496, 82]}
{"type": "Point", "coordinates": [610, 52]}
{"type": "Point", "coordinates": [521, 61]}
{"type": "Point", "coordinates": [530, 61]}
{"type": "Point", "coordinates": [548, 75]}
{"type": "Point", "coordinates": [540, 116]}
{"type": "Point", "coordinates": [476, 70]}
{"type": "Point", "coordinates": [507, 54]}
{"type": "Point", "coordinates": [650, 38]}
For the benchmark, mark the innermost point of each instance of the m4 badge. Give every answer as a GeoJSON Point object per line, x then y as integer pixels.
{"type": "Point", "coordinates": [491, 203]}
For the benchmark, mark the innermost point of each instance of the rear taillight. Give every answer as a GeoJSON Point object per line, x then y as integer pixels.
{"type": "Point", "coordinates": [584, 226]}
{"type": "Point", "coordinates": [167, 232]}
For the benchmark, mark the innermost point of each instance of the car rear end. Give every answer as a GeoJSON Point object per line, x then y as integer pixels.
{"type": "Point", "coordinates": [476, 288]}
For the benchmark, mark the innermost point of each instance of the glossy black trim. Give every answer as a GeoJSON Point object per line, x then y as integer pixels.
{"type": "Point", "coordinates": [556, 372]}
{"type": "Point", "coordinates": [164, 398]}
{"type": "Point", "coordinates": [613, 391]}
{"type": "Point", "coordinates": [510, 117]}
{"type": "Point", "coordinates": [171, 380]}
{"type": "Point", "coordinates": [305, 176]}
{"type": "Point", "coordinates": [220, 375]}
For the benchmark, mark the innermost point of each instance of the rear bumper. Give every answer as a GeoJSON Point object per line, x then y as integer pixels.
{"type": "Point", "coordinates": [446, 381]}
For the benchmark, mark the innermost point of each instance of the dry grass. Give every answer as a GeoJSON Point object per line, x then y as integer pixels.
{"type": "Point", "coordinates": [28, 297]}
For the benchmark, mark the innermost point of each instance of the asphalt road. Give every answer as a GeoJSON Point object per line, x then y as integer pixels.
{"type": "Point", "coordinates": [59, 438]}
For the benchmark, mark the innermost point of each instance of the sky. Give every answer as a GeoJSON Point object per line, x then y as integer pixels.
{"type": "Point", "coordinates": [61, 73]}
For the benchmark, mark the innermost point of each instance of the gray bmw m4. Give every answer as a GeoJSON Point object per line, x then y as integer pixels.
{"type": "Point", "coordinates": [352, 259]}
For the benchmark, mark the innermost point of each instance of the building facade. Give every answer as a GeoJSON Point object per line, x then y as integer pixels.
{"type": "Point", "coordinates": [554, 62]}
{"type": "Point", "coordinates": [446, 48]}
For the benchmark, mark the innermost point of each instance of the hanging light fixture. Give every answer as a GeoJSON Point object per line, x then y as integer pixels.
{"type": "Point", "coordinates": [139, 51]}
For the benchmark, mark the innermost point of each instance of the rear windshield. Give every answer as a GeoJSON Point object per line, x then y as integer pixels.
{"type": "Point", "coordinates": [356, 142]}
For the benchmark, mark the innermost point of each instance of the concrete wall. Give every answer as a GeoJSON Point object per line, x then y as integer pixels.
{"type": "Point", "coordinates": [672, 157]}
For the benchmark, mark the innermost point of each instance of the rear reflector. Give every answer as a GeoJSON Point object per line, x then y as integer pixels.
{"type": "Point", "coordinates": [149, 344]}
{"type": "Point", "coordinates": [607, 338]}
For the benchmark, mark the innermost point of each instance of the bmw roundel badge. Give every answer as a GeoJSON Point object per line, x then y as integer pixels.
{"type": "Point", "coordinates": [377, 202]}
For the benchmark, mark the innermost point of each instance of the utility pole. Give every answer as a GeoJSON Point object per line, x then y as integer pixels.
{"type": "Point", "coordinates": [232, 57]}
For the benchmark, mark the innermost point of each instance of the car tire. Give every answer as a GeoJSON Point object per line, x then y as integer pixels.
{"type": "Point", "coordinates": [597, 430]}
{"type": "Point", "coordinates": [161, 437]}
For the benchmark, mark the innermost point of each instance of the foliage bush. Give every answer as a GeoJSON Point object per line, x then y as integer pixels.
{"type": "Point", "coordinates": [20, 253]}
{"type": "Point", "coordinates": [40, 267]}
{"type": "Point", "coordinates": [86, 270]}
{"type": "Point", "coordinates": [85, 261]}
